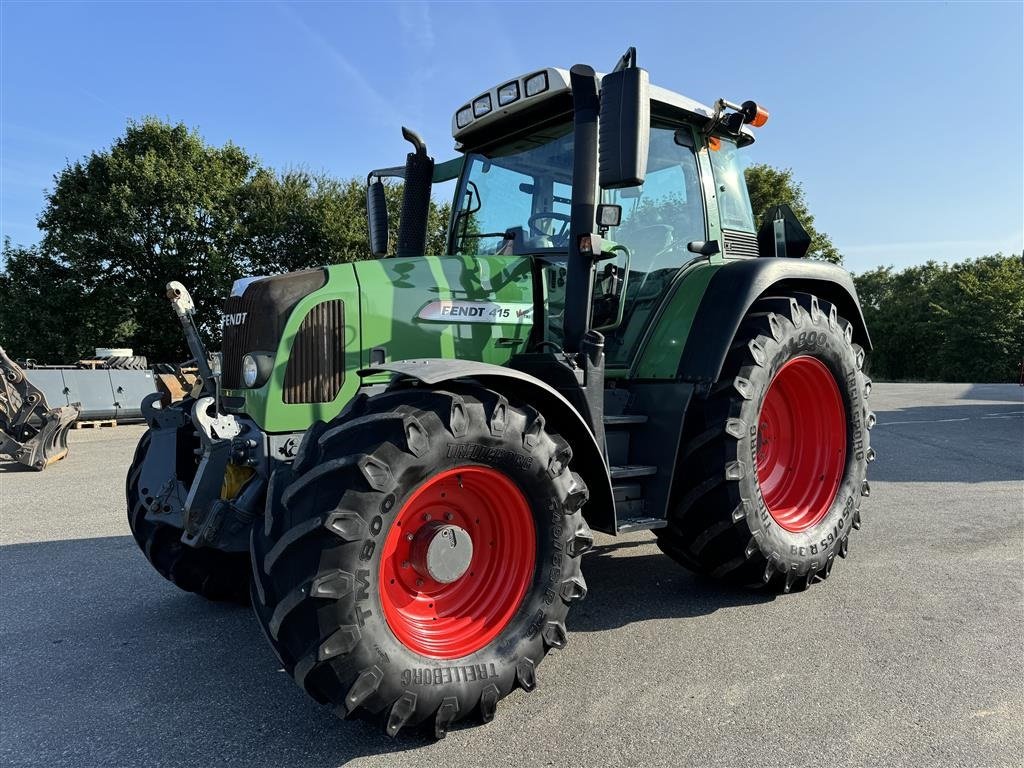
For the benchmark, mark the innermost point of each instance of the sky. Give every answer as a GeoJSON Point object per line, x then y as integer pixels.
{"type": "Point", "coordinates": [903, 121]}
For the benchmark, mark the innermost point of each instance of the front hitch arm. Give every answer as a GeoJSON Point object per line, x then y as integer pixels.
{"type": "Point", "coordinates": [184, 308]}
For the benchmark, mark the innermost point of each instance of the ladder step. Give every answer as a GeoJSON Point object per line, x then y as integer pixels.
{"type": "Point", "coordinates": [633, 470]}
{"type": "Point", "coordinates": [624, 420]}
{"type": "Point", "coordinates": [627, 492]}
{"type": "Point", "coordinates": [640, 524]}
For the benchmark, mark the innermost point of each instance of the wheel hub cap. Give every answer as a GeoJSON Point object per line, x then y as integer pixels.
{"type": "Point", "coordinates": [442, 551]}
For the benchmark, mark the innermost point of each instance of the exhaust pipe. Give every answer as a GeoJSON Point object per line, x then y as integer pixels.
{"type": "Point", "coordinates": [419, 176]}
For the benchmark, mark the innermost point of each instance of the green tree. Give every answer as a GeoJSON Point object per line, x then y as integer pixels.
{"type": "Point", "coordinates": [936, 322]}
{"type": "Point", "coordinates": [45, 314]}
{"type": "Point", "coordinates": [900, 313]}
{"type": "Point", "coordinates": [769, 186]}
{"type": "Point", "coordinates": [982, 315]}
{"type": "Point", "coordinates": [160, 204]}
{"type": "Point", "coordinates": [299, 220]}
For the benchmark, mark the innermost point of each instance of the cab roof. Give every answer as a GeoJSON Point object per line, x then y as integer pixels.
{"type": "Point", "coordinates": [465, 121]}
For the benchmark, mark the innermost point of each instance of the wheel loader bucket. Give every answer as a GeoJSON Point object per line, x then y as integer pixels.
{"type": "Point", "coordinates": [31, 432]}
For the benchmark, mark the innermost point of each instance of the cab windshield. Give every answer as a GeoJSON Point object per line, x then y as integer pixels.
{"type": "Point", "coordinates": [517, 199]}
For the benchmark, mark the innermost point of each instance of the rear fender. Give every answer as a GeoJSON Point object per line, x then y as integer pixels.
{"type": "Point", "coordinates": [559, 414]}
{"type": "Point", "coordinates": [738, 284]}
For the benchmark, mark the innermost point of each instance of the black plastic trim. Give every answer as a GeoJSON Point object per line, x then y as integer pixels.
{"type": "Point", "coordinates": [738, 284]}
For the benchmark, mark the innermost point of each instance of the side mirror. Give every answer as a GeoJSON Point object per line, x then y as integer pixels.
{"type": "Point", "coordinates": [377, 217]}
{"type": "Point", "coordinates": [704, 247]}
{"type": "Point", "coordinates": [624, 129]}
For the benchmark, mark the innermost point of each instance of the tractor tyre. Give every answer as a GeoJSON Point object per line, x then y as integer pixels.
{"type": "Point", "coordinates": [134, 363]}
{"type": "Point", "coordinates": [420, 556]}
{"type": "Point", "coordinates": [216, 575]}
{"type": "Point", "coordinates": [774, 460]}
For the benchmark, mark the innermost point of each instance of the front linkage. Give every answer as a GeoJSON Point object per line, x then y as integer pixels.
{"type": "Point", "coordinates": [199, 480]}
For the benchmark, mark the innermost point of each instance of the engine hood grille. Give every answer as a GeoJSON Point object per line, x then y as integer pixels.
{"type": "Point", "coordinates": [254, 321]}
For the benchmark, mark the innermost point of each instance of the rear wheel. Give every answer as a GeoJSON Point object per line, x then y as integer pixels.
{"type": "Point", "coordinates": [419, 558]}
{"type": "Point", "coordinates": [774, 460]}
{"type": "Point", "coordinates": [208, 572]}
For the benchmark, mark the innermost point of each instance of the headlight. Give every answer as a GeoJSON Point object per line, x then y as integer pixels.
{"type": "Point", "coordinates": [464, 117]}
{"type": "Point", "coordinates": [482, 105]}
{"type": "Point", "coordinates": [536, 83]}
{"type": "Point", "coordinates": [508, 93]}
{"type": "Point", "coordinates": [250, 371]}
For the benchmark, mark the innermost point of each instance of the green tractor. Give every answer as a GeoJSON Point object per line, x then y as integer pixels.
{"type": "Point", "coordinates": [400, 461]}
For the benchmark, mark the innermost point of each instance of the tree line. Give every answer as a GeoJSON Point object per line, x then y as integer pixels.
{"type": "Point", "coordinates": [946, 322]}
{"type": "Point", "coordinates": [161, 204]}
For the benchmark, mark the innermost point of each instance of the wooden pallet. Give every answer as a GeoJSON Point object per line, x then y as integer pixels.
{"type": "Point", "coordinates": [94, 424]}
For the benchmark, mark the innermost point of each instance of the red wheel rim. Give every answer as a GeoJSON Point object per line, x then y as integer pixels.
{"type": "Point", "coordinates": [448, 621]}
{"type": "Point", "coordinates": [801, 443]}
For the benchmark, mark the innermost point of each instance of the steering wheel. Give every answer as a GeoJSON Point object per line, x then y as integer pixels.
{"type": "Point", "coordinates": [535, 231]}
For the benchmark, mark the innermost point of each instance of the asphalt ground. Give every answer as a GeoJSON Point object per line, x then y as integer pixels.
{"type": "Point", "coordinates": [910, 654]}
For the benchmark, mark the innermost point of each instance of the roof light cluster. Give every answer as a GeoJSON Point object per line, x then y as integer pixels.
{"type": "Point", "coordinates": [505, 95]}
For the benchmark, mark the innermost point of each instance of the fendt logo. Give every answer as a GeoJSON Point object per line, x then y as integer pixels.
{"type": "Point", "coordinates": [236, 318]}
{"type": "Point", "coordinates": [465, 311]}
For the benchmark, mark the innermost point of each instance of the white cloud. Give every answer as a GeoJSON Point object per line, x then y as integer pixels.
{"type": "Point", "coordinates": [417, 28]}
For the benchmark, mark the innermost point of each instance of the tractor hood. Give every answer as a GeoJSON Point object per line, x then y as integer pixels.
{"type": "Point", "coordinates": [311, 331]}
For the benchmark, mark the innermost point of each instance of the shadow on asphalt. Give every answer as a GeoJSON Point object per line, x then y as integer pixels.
{"type": "Point", "coordinates": [626, 586]}
{"type": "Point", "coordinates": [1007, 392]}
{"type": "Point", "coordinates": [138, 673]}
{"type": "Point", "coordinates": [13, 466]}
{"type": "Point", "coordinates": [949, 444]}
{"type": "Point", "coordinates": [88, 629]}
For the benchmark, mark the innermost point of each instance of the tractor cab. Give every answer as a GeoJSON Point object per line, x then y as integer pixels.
{"type": "Point", "coordinates": [515, 196]}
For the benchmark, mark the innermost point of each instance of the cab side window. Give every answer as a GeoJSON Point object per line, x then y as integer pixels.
{"type": "Point", "coordinates": [659, 219]}
{"type": "Point", "coordinates": [731, 188]}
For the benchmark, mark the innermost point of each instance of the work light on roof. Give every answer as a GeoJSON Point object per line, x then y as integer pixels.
{"type": "Point", "coordinates": [482, 105]}
{"type": "Point", "coordinates": [508, 93]}
{"type": "Point", "coordinates": [464, 116]}
{"type": "Point", "coordinates": [536, 83]}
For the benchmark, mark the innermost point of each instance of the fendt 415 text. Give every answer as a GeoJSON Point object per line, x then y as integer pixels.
{"type": "Point", "coordinates": [400, 461]}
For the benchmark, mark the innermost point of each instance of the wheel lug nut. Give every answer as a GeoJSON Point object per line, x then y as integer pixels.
{"type": "Point", "coordinates": [419, 582]}
{"type": "Point", "coordinates": [409, 537]}
{"type": "Point", "coordinates": [449, 516]}
{"type": "Point", "coordinates": [405, 564]}
{"type": "Point", "coordinates": [426, 515]}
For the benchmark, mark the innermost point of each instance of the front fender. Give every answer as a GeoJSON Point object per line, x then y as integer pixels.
{"type": "Point", "coordinates": [560, 415]}
{"type": "Point", "coordinates": [738, 284]}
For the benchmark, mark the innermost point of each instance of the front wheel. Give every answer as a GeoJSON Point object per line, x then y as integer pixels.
{"type": "Point", "coordinates": [774, 460]}
{"type": "Point", "coordinates": [419, 559]}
